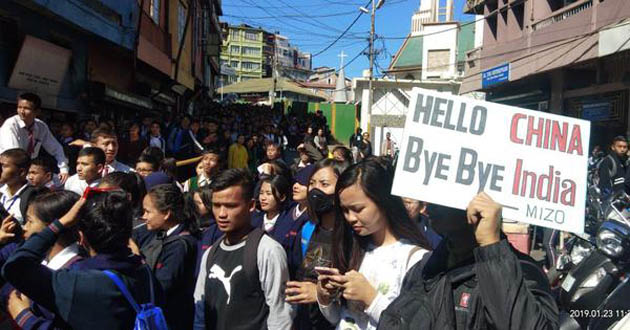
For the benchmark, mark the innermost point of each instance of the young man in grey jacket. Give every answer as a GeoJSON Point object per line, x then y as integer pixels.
{"type": "Point", "coordinates": [242, 277]}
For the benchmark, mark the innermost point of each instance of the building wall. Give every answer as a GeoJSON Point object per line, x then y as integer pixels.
{"type": "Point", "coordinates": [177, 22]}
{"type": "Point", "coordinates": [547, 39]}
{"type": "Point", "coordinates": [235, 39]}
{"type": "Point", "coordinates": [441, 39]}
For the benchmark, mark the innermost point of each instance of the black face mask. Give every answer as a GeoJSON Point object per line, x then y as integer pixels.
{"type": "Point", "coordinates": [320, 202]}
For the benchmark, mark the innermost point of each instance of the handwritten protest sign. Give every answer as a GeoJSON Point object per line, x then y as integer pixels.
{"type": "Point", "coordinates": [533, 163]}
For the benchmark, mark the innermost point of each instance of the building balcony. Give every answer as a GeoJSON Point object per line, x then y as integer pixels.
{"type": "Point", "coordinates": [154, 34]}
{"type": "Point", "coordinates": [563, 14]}
{"type": "Point", "coordinates": [476, 6]}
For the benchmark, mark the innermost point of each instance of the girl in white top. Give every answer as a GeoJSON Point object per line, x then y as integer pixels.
{"type": "Point", "coordinates": [377, 243]}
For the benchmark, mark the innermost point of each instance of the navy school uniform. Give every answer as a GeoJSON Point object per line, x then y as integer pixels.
{"type": "Point", "coordinates": [37, 316]}
{"type": "Point", "coordinates": [172, 259]}
{"type": "Point", "coordinates": [83, 296]}
{"type": "Point", "coordinates": [281, 229]}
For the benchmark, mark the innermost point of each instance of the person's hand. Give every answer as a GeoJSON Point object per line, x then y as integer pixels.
{"type": "Point", "coordinates": [357, 288]}
{"type": "Point", "coordinates": [71, 217]}
{"type": "Point", "coordinates": [485, 214]}
{"type": "Point", "coordinates": [134, 247]}
{"type": "Point", "coordinates": [328, 285]}
{"type": "Point", "coordinates": [301, 292]}
{"type": "Point", "coordinates": [63, 177]}
{"type": "Point", "coordinates": [78, 143]}
{"type": "Point", "coordinates": [17, 303]}
{"type": "Point", "coordinates": [7, 229]}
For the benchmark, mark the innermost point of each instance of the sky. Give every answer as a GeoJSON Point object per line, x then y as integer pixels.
{"type": "Point", "coordinates": [312, 25]}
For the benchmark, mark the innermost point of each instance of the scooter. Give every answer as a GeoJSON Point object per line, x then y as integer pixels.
{"type": "Point", "coordinates": [589, 283]}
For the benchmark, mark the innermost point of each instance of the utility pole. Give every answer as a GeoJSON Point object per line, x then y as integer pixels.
{"type": "Point", "coordinates": [370, 87]}
{"type": "Point", "coordinates": [274, 77]}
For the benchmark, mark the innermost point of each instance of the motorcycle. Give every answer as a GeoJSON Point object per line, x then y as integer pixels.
{"type": "Point", "coordinates": [576, 247]}
{"type": "Point", "coordinates": [588, 284]}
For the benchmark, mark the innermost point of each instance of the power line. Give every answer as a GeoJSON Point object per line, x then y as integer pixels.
{"type": "Point", "coordinates": [293, 16]}
{"type": "Point", "coordinates": [342, 34]}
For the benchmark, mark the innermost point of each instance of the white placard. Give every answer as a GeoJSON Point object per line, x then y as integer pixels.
{"type": "Point", "coordinates": [533, 163]}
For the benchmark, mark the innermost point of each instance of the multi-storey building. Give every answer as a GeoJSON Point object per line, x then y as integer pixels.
{"type": "Point", "coordinates": [562, 56]}
{"type": "Point", "coordinates": [242, 50]}
{"type": "Point", "coordinates": [104, 56]}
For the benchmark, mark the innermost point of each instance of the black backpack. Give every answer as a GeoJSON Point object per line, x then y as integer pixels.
{"type": "Point", "coordinates": [427, 304]}
{"type": "Point", "coordinates": [250, 262]}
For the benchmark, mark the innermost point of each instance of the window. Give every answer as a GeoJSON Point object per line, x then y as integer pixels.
{"type": "Point", "coordinates": [181, 21]}
{"type": "Point", "coordinates": [235, 49]}
{"type": "Point", "coordinates": [251, 66]}
{"type": "Point", "coordinates": [251, 51]}
{"type": "Point", "coordinates": [234, 64]}
{"type": "Point", "coordinates": [438, 60]}
{"type": "Point", "coordinates": [234, 34]}
{"type": "Point", "coordinates": [251, 35]}
{"type": "Point", "coordinates": [155, 11]}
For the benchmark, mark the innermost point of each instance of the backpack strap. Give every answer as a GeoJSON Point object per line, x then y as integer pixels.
{"type": "Point", "coordinates": [250, 257]}
{"type": "Point", "coordinates": [307, 232]}
{"type": "Point", "coordinates": [123, 289]}
{"type": "Point", "coordinates": [411, 253]}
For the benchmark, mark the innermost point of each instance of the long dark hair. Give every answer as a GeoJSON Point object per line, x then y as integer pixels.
{"type": "Point", "coordinates": [375, 176]}
{"type": "Point", "coordinates": [337, 167]}
{"type": "Point", "coordinates": [168, 198]}
{"type": "Point", "coordinates": [280, 187]}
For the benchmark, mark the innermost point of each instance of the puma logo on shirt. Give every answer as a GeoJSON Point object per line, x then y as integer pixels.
{"type": "Point", "coordinates": [217, 272]}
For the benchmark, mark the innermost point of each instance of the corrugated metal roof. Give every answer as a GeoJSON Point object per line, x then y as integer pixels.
{"type": "Point", "coordinates": [264, 85]}
{"type": "Point", "coordinates": [410, 54]}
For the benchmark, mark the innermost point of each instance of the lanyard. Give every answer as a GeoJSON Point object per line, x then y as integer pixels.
{"type": "Point", "coordinates": [13, 199]}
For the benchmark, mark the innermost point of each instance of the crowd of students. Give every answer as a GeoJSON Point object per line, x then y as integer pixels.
{"type": "Point", "coordinates": [246, 243]}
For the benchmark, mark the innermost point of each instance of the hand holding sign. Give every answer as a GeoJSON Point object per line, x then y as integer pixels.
{"type": "Point", "coordinates": [485, 214]}
{"type": "Point", "coordinates": [534, 163]}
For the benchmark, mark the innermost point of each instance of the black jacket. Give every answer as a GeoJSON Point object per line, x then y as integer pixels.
{"type": "Point", "coordinates": [610, 182]}
{"type": "Point", "coordinates": [173, 260]}
{"type": "Point", "coordinates": [83, 296]}
{"type": "Point", "coordinates": [499, 289]}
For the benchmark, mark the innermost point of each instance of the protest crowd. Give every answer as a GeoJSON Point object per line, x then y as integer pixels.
{"type": "Point", "coordinates": [275, 229]}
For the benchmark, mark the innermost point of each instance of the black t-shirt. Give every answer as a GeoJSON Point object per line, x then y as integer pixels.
{"type": "Point", "coordinates": [318, 254]}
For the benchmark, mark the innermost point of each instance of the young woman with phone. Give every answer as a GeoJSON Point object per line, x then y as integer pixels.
{"type": "Point", "coordinates": [377, 244]}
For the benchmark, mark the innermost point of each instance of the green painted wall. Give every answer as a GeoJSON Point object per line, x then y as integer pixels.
{"type": "Point", "coordinates": [341, 119]}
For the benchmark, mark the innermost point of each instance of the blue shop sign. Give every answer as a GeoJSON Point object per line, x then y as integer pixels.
{"type": "Point", "coordinates": [496, 75]}
{"type": "Point", "coordinates": [596, 111]}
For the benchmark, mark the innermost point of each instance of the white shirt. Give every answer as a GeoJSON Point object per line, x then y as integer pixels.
{"type": "Point", "coordinates": [385, 268]}
{"type": "Point", "coordinates": [158, 142]}
{"type": "Point", "coordinates": [62, 258]}
{"type": "Point", "coordinates": [77, 185]}
{"type": "Point", "coordinates": [11, 203]}
{"type": "Point", "coordinates": [202, 181]}
{"type": "Point", "coordinates": [15, 135]}
{"type": "Point", "coordinates": [299, 213]}
{"type": "Point", "coordinates": [170, 231]}
{"type": "Point", "coordinates": [268, 224]}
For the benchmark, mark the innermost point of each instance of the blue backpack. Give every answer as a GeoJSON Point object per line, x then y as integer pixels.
{"type": "Point", "coordinates": [148, 316]}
